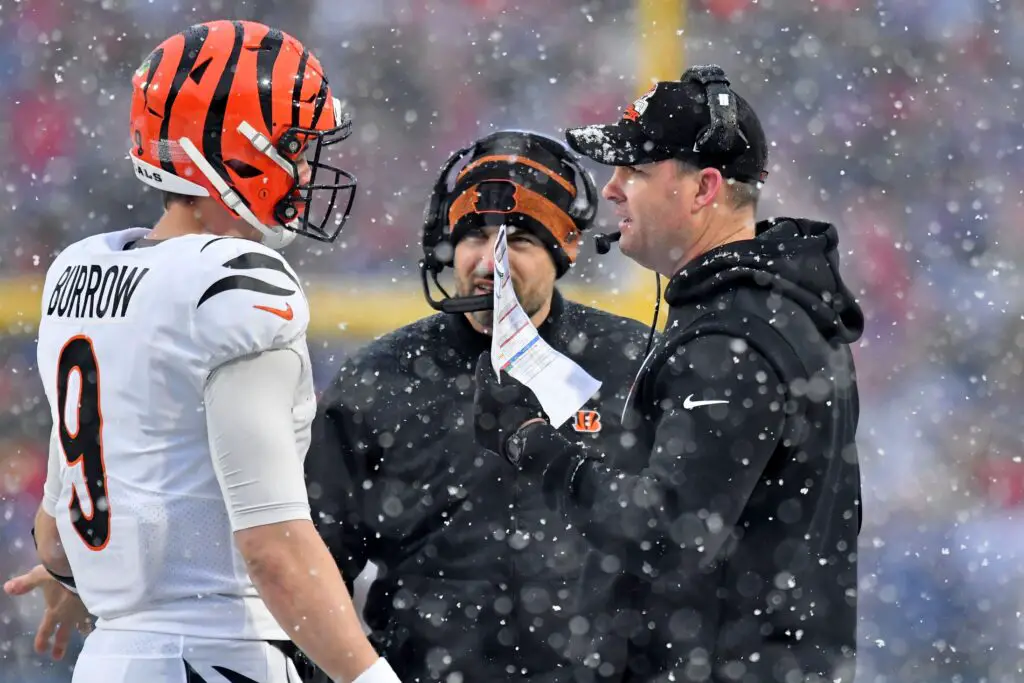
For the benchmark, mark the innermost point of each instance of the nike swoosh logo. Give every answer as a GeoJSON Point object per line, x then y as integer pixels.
{"type": "Point", "coordinates": [287, 313]}
{"type": "Point", "coordinates": [690, 404]}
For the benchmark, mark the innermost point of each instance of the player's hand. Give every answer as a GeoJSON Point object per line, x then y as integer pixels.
{"type": "Point", "coordinates": [499, 410]}
{"type": "Point", "coordinates": [64, 610]}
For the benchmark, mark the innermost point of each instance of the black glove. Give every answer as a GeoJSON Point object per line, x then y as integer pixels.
{"type": "Point", "coordinates": [499, 410]}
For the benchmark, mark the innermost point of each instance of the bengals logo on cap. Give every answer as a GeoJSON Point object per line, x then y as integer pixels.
{"type": "Point", "coordinates": [639, 105]}
{"type": "Point", "coordinates": [587, 421]}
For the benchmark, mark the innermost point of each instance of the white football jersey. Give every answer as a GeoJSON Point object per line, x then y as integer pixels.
{"type": "Point", "coordinates": [127, 341]}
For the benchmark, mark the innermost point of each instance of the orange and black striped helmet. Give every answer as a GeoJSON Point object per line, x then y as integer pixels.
{"type": "Point", "coordinates": [227, 109]}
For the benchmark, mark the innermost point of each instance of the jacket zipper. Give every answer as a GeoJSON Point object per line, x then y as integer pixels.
{"type": "Point", "coordinates": [514, 587]}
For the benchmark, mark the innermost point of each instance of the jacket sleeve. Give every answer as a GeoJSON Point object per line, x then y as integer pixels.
{"type": "Point", "coordinates": [336, 467]}
{"type": "Point", "coordinates": [721, 415]}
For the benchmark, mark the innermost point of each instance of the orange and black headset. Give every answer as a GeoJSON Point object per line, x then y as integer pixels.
{"type": "Point", "coordinates": [513, 178]}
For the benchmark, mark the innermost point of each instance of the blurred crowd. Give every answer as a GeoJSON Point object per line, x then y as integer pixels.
{"type": "Point", "coordinates": [899, 120]}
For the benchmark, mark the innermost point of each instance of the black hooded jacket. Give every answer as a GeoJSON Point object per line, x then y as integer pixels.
{"type": "Point", "coordinates": [743, 522]}
{"type": "Point", "coordinates": [476, 582]}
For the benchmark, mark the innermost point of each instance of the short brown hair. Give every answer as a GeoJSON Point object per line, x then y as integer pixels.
{"type": "Point", "coordinates": [740, 195]}
{"type": "Point", "coordinates": [173, 197]}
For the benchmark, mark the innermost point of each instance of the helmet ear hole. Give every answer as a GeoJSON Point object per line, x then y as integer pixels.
{"type": "Point", "coordinates": [289, 144]}
{"type": "Point", "coordinates": [243, 169]}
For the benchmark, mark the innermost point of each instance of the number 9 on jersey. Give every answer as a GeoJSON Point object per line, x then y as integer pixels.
{"type": "Point", "coordinates": [80, 427]}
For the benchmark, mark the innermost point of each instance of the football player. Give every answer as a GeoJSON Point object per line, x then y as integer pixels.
{"type": "Point", "coordinates": [174, 360]}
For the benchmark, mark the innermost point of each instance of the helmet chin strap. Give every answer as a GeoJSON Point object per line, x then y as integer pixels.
{"type": "Point", "coordinates": [273, 238]}
{"type": "Point", "coordinates": [277, 240]}
{"type": "Point", "coordinates": [280, 238]}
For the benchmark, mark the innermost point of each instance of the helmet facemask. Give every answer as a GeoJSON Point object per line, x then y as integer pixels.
{"type": "Point", "coordinates": [309, 208]}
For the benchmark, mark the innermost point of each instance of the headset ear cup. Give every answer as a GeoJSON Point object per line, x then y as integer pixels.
{"type": "Point", "coordinates": [583, 210]}
{"type": "Point", "coordinates": [434, 218]}
{"type": "Point", "coordinates": [430, 236]}
{"type": "Point", "coordinates": [444, 252]}
{"type": "Point", "coordinates": [429, 216]}
{"type": "Point", "coordinates": [722, 134]}
{"type": "Point", "coordinates": [590, 190]}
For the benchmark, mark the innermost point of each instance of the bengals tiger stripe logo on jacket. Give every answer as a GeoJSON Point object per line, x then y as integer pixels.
{"type": "Point", "coordinates": [587, 421]}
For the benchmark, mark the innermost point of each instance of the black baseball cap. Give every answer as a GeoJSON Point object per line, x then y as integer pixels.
{"type": "Point", "coordinates": [698, 119]}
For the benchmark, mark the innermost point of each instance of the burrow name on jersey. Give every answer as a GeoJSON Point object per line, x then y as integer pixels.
{"type": "Point", "coordinates": [90, 291]}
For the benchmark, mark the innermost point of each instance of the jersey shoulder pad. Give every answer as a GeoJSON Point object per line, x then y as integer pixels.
{"type": "Point", "coordinates": [58, 273]}
{"type": "Point", "coordinates": [246, 300]}
{"type": "Point", "coordinates": [66, 254]}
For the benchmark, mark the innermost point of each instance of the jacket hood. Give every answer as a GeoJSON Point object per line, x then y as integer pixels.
{"type": "Point", "coordinates": [797, 258]}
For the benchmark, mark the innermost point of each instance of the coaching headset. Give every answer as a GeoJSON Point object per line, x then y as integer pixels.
{"type": "Point", "coordinates": [513, 178]}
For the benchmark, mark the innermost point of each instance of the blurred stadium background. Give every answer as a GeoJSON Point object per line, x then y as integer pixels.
{"type": "Point", "coordinates": [897, 119]}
